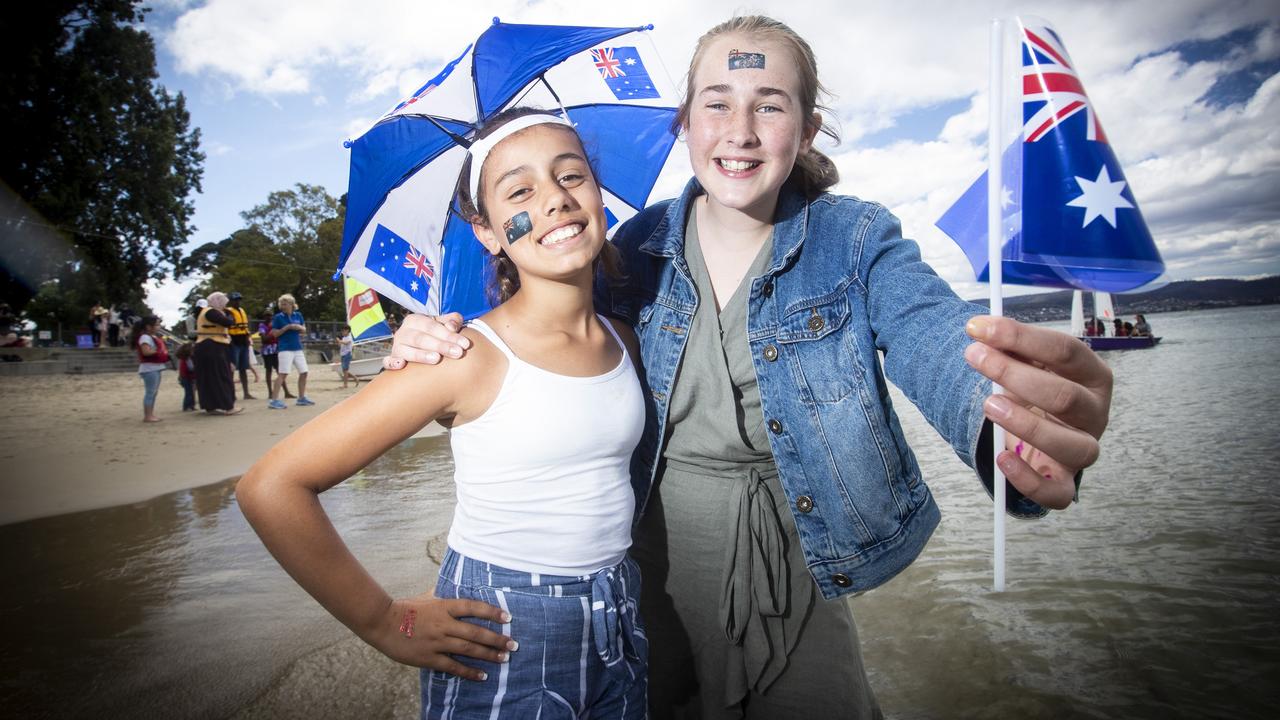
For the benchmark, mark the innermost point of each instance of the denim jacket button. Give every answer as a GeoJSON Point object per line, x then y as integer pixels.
{"type": "Point", "coordinates": [767, 290]}
{"type": "Point", "coordinates": [841, 580]}
{"type": "Point", "coordinates": [770, 353]}
{"type": "Point", "coordinates": [804, 503]}
{"type": "Point", "coordinates": [775, 427]}
{"type": "Point", "coordinates": [815, 323]}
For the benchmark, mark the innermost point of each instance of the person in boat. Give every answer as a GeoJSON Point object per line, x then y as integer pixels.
{"type": "Point", "coordinates": [773, 479]}
{"type": "Point", "coordinates": [1119, 328]}
{"type": "Point", "coordinates": [544, 413]}
{"type": "Point", "coordinates": [1091, 327]}
{"type": "Point", "coordinates": [1142, 328]}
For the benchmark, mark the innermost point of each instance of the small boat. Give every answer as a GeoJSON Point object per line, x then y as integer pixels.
{"type": "Point", "coordinates": [1134, 342]}
{"type": "Point", "coordinates": [369, 329]}
{"type": "Point", "coordinates": [1104, 311]}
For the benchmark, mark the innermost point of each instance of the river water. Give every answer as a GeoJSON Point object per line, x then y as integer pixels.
{"type": "Point", "coordinates": [1155, 596]}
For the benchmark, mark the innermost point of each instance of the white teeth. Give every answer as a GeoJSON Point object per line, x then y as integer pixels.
{"type": "Point", "coordinates": [559, 235]}
{"type": "Point", "coordinates": [737, 165]}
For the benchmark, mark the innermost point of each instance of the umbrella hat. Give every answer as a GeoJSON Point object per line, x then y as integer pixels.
{"type": "Point", "coordinates": [403, 236]}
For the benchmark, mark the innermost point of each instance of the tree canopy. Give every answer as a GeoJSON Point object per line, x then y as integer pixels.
{"type": "Point", "coordinates": [290, 244]}
{"type": "Point", "coordinates": [96, 150]}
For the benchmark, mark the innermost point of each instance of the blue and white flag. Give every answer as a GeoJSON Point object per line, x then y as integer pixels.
{"type": "Point", "coordinates": [1070, 219]}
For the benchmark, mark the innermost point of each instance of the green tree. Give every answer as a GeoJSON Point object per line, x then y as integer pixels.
{"type": "Point", "coordinates": [290, 245]}
{"type": "Point", "coordinates": [95, 147]}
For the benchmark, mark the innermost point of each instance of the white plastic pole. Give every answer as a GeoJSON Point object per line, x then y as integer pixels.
{"type": "Point", "coordinates": [995, 237]}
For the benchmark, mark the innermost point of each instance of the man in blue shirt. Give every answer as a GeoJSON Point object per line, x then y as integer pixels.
{"type": "Point", "coordinates": [288, 325]}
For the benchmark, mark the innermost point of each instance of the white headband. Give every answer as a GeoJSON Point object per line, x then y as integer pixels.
{"type": "Point", "coordinates": [480, 148]}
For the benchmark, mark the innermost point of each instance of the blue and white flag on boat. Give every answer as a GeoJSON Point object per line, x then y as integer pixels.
{"type": "Point", "coordinates": [403, 234]}
{"type": "Point", "coordinates": [1070, 219]}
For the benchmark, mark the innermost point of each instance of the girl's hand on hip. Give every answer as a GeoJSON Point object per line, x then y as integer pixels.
{"type": "Point", "coordinates": [426, 632]}
{"type": "Point", "coordinates": [1056, 398]}
{"type": "Point", "coordinates": [427, 340]}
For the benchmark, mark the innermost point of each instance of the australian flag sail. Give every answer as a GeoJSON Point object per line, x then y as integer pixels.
{"type": "Point", "coordinates": [1069, 217]}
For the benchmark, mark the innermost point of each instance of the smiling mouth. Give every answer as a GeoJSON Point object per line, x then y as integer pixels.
{"type": "Point", "coordinates": [737, 165]}
{"type": "Point", "coordinates": [561, 234]}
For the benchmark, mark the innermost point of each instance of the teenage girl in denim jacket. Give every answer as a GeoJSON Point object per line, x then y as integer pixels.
{"type": "Point", "coordinates": [773, 469]}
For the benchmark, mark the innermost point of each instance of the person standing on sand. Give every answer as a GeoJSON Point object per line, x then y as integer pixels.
{"type": "Point", "coordinates": [288, 326]}
{"type": "Point", "coordinates": [214, 382]}
{"type": "Point", "coordinates": [345, 345]}
{"type": "Point", "coordinates": [186, 375]}
{"type": "Point", "coordinates": [239, 350]}
{"type": "Point", "coordinates": [153, 358]}
{"type": "Point", "coordinates": [270, 353]}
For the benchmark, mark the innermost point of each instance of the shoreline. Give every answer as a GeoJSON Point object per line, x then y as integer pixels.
{"type": "Point", "coordinates": [77, 442]}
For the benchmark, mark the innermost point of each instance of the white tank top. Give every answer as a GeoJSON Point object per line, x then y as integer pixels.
{"type": "Point", "coordinates": [543, 476]}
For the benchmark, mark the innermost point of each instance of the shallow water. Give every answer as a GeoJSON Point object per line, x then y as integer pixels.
{"type": "Point", "coordinates": [1155, 596]}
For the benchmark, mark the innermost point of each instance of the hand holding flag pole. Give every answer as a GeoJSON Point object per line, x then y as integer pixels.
{"type": "Point", "coordinates": [995, 185]}
{"type": "Point", "coordinates": [1053, 209]}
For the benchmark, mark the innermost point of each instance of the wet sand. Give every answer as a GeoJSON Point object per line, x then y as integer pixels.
{"type": "Point", "coordinates": [77, 442]}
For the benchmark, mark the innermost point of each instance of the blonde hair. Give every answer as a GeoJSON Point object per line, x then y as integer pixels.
{"type": "Point", "coordinates": [286, 298]}
{"type": "Point", "coordinates": [813, 171]}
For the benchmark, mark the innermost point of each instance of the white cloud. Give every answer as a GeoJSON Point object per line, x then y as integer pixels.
{"type": "Point", "coordinates": [166, 297]}
{"type": "Point", "coordinates": [1203, 176]}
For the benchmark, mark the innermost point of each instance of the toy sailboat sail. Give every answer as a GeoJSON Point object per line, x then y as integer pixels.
{"type": "Point", "coordinates": [1068, 216]}
{"type": "Point", "coordinates": [1053, 208]}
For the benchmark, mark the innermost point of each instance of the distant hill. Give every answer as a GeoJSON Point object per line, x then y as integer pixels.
{"type": "Point", "coordinates": [1176, 296]}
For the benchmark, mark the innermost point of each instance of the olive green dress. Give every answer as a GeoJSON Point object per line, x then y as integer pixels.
{"type": "Point", "coordinates": [735, 623]}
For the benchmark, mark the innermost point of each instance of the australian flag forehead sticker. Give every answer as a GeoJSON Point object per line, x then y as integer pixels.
{"type": "Point", "coordinates": [745, 60]}
{"type": "Point", "coordinates": [624, 73]}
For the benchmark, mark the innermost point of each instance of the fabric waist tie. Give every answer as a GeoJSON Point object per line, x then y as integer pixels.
{"type": "Point", "coordinates": [756, 592]}
{"type": "Point", "coordinates": [614, 613]}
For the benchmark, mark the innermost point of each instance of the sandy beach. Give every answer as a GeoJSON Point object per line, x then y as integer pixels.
{"type": "Point", "coordinates": [77, 442]}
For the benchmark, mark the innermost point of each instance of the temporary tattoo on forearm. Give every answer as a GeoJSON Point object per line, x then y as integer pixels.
{"type": "Point", "coordinates": [517, 227]}
{"type": "Point", "coordinates": [745, 60]}
{"type": "Point", "coordinates": [406, 622]}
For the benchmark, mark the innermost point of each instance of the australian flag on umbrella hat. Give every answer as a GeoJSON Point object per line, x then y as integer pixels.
{"type": "Point", "coordinates": [1070, 219]}
{"type": "Point", "coordinates": [403, 235]}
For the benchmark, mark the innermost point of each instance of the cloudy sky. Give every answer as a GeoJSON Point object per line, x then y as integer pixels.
{"type": "Point", "coordinates": [1183, 89]}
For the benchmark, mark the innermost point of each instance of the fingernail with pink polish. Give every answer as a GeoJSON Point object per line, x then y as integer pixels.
{"type": "Point", "coordinates": [998, 407]}
{"type": "Point", "coordinates": [1006, 462]}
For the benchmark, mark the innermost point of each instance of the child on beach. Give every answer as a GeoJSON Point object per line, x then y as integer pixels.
{"type": "Point", "coordinates": [536, 591]}
{"type": "Point", "coordinates": [187, 375]}
{"type": "Point", "coordinates": [345, 345]}
{"type": "Point", "coordinates": [775, 480]}
{"type": "Point", "coordinates": [153, 358]}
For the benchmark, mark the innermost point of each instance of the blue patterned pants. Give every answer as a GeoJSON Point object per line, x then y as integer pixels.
{"type": "Point", "coordinates": [583, 651]}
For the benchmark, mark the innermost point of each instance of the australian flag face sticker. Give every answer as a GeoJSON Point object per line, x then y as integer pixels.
{"type": "Point", "coordinates": [517, 227]}
{"type": "Point", "coordinates": [624, 73]}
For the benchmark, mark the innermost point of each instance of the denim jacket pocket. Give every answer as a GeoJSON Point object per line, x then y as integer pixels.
{"type": "Point", "coordinates": [816, 332]}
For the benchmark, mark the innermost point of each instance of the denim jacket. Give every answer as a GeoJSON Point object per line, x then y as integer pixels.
{"type": "Point", "coordinates": [842, 287]}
